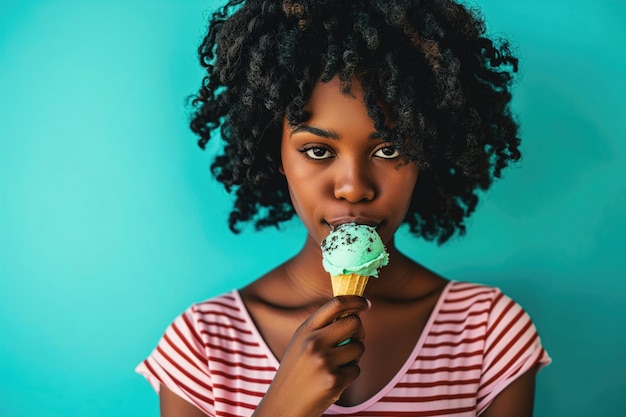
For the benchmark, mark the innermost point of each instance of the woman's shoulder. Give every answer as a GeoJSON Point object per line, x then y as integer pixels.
{"type": "Point", "coordinates": [221, 315]}
{"type": "Point", "coordinates": [471, 303]}
{"type": "Point", "coordinates": [227, 304]}
{"type": "Point", "coordinates": [492, 316]}
{"type": "Point", "coordinates": [224, 302]}
{"type": "Point", "coordinates": [467, 287]}
{"type": "Point", "coordinates": [470, 292]}
{"type": "Point", "coordinates": [484, 316]}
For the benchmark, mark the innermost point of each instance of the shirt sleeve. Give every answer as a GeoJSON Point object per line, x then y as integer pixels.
{"type": "Point", "coordinates": [512, 347]}
{"type": "Point", "coordinates": [179, 362]}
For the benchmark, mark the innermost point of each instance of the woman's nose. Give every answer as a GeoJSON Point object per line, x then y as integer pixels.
{"type": "Point", "coordinates": [353, 182]}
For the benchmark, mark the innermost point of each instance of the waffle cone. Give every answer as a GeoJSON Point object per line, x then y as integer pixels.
{"type": "Point", "coordinates": [349, 284]}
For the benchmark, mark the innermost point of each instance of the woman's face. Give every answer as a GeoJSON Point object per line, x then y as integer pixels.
{"type": "Point", "coordinates": [339, 170]}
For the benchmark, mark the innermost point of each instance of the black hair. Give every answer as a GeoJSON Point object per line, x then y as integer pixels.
{"type": "Point", "coordinates": [445, 82]}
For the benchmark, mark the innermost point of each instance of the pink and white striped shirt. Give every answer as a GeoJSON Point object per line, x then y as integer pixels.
{"type": "Point", "coordinates": [475, 343]}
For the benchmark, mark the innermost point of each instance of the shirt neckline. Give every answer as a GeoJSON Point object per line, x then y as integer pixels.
{"type": "Point", "coordinates": [339, 409]}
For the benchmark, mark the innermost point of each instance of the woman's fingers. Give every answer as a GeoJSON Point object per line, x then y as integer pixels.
{"type": "Point", "coordinates": [316, 366]}
{"type": "Point", "coordinates": [337, 307]}
{"type": "Point", "coordinates": [348, 353]}
{"type": "Point", "coordinates": [336, 324]}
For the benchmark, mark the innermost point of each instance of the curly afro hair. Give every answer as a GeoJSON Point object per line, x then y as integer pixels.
{"type": "Point", "coordinates": [446, 85]}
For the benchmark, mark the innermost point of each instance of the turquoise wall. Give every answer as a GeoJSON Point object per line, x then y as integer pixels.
{"type": "Point", "coordinates": [110, 224]}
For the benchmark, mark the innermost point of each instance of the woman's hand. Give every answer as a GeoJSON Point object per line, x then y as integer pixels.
{"type": "Point", "coordinates": [315, 368]}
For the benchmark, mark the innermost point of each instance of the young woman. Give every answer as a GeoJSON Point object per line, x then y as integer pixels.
{"type": "Point", "coordinates": [374, 112]}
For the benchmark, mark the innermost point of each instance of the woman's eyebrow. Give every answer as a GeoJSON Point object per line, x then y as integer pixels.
{"type": "Point", "coordinates": [329, 134]}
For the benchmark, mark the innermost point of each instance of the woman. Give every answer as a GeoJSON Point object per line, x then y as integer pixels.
{"type": "Point", "coordinates": [378, 113]}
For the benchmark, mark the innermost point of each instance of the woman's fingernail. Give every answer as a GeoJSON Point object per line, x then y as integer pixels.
{"type": "Point", "coordinates": [369, 303]}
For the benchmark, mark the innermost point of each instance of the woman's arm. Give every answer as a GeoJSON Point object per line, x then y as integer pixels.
{"type": "Point", "coordinates": [174, 406]}
{"type": "Point", "coordinates": [516, 400]}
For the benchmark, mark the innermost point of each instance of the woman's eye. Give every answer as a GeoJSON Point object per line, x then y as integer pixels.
{"type": "Point", "coordinates": [317, 152]}
{"type": "Point", "coordinates": [387, 152]}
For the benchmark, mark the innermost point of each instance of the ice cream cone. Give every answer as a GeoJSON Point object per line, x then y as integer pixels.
{"type": "Point", "coordinates": [349, 284]}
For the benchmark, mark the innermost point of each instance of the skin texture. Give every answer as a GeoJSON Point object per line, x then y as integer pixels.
{"type": "Point", "coordinates": [339, 170]}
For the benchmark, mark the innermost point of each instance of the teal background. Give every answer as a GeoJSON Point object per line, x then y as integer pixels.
{"type": "Point", "coordinates": [110, 224]}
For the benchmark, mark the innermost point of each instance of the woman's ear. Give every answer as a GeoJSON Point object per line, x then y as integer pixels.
{"type": "Point", "coordinates": [280, 169]}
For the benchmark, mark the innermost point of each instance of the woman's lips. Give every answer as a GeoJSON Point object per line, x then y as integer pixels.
{"type": "Point", "coordinates": [338, 221]}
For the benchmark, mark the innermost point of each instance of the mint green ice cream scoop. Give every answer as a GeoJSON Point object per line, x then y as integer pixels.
{"type": "Point", "coordinates": [353, 249]}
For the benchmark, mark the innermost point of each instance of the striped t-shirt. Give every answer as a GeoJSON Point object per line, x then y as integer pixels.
{"type": "Point", "coordinates": [475, 343]}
